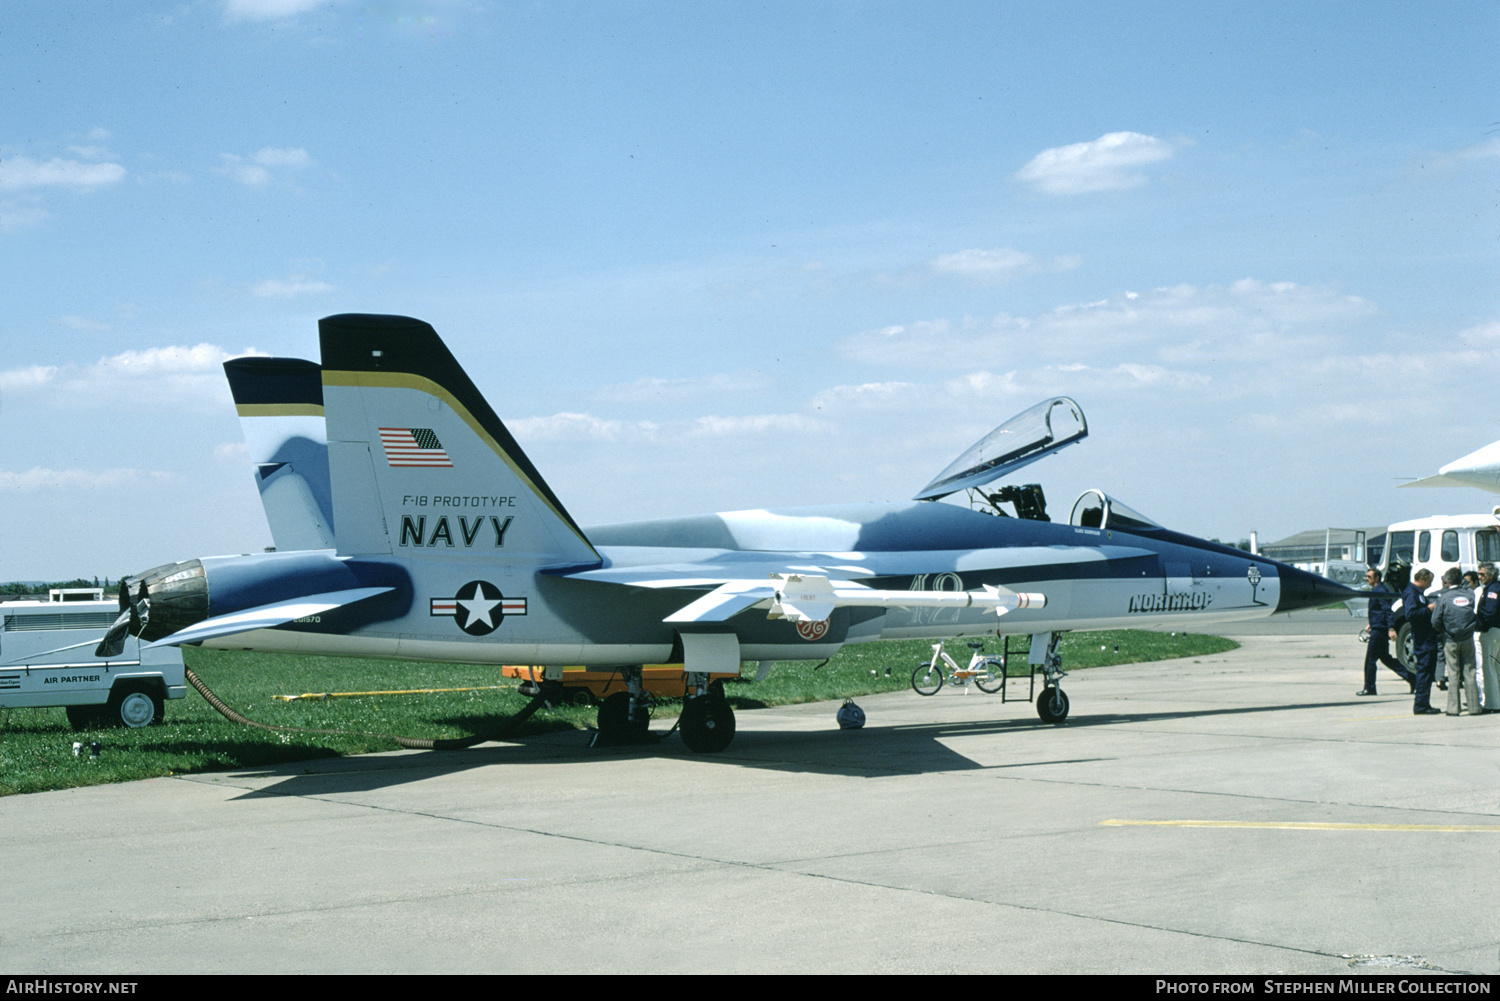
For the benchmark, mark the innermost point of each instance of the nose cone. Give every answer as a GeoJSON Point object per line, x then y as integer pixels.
{"type": "Point", "coordinates": [1480, 469]}
{"type": "Point", "coordinates": [1300, 589]}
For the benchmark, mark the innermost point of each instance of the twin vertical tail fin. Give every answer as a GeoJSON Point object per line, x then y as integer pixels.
{"type": "Point", "coordinates": [419, 463]}
{"type": "Point", "coordinates": [280, 403]}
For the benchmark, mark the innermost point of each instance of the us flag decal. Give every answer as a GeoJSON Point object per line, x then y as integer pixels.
{"type": "Point", "coordinates": [413, 447]}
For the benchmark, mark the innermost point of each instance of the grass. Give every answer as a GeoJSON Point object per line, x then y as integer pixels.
{"type": "Point", "coordinates": [36, 745]}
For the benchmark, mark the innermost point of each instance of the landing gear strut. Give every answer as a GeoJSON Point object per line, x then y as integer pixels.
{"type": "Point", "coordinates": [1052, 703]}
{"type": "Point", "coordinates": [625, 717]}
{"type": "Point", "coordinates": [707, 723]}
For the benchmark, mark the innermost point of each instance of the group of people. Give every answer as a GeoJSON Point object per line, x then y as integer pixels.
{"type": "Point", "coordinates": [1464, 617]}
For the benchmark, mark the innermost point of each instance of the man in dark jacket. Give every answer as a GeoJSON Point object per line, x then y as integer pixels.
{"type": "Point", "coordinates": [1382, 631]}
{"type": "Point", "coordinates": [1453, 619]}
{"type": "Point", "coordinates": [1487, 622]}
{"type": "Point", "coordinates": [1416, 610]}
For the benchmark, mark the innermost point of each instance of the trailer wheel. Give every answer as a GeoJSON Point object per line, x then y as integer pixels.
{"type": "Point", "coordinates": [134, 706]}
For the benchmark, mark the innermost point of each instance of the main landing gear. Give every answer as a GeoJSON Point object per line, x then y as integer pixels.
{"type": "Point", "coordinates": [1052, 703]}
{"type": "Point", "coordinates": [625, 717]}
{"type": "Point", "coordinates": [706, 724]}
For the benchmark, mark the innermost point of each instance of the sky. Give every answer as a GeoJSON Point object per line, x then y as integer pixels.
{"type": "Point", "coordinates": [720, 256]}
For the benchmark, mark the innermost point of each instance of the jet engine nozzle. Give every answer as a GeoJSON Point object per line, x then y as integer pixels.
{"type": "Point", "coordinates": [157, 603]}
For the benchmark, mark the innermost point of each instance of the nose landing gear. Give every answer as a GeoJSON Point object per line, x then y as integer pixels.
{"type": "Point", "coordinates": [1052, 703]}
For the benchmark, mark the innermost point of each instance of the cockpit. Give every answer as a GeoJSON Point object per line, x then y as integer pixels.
{"type": "Point", "coordinates": [1036, 432]}
{"type": "Point", "coordinates": [1096, 509]}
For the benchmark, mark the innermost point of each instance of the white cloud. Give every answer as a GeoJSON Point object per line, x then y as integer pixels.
{"type": "Point", "coordinates": [998, 265]}
{"type": "Point", "coordinates": [177, 377]}
{"type": "Point", "coordinates": [20, 172]}
{"type": "Point", "coordinates": [868, 396]}
{"type": "Point", "coordinates": [657, 390]}
{"type": "Point", "coordinates": [576, 427]}
{"type": "Point", "coordinates": [1487, 150]}
{"type": "Point", "coordinates": [1003, 261]}
{"type": "Point", "coordinates": [569, 426]}
{"type": "Point", "coordinates": [1247, 321]}
{"type": "Point", "coordinates": [268, 10]}
{"type": "Point", "coordinates": [292, 285]}
{"type": "Point", "coordinates": [272, 157]}
{"type": "Point", "coordinates": [1105, 164]}
{"type": "Point", "coordinates": [1197, 390]}
{"type": "Point", "coordinates": [247, 174]}
{"type": "Point", "coordinates": [154, 362]}
{"type": "Point", "coordinates": [256, 171]}
{"type": "Point", "coordinates": [38, 478]}
{"type": "Point", "coordinates": [754, 424]}
{"type": "Point", "coordinates": [31, 376]}
{"type": "Point", "coordinates": [14, 217]}
{"type": "Point", "coordinates": [81, 323]}
{"type": "Point", "coordinates": [1484, 333]}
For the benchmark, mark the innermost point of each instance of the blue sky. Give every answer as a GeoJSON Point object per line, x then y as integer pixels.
{"type": "Point", "coordinates": [719, 256]}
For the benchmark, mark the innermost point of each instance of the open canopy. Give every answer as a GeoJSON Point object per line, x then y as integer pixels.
{"type": "Point", "coordinates": [1020, 441]}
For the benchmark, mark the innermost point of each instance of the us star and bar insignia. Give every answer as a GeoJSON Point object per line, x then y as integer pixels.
{"type": "Point", "coordinates": [478, 607]}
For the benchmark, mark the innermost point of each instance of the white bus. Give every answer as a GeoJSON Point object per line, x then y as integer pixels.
{"type": "Point", "coordinates": [1437, 543]}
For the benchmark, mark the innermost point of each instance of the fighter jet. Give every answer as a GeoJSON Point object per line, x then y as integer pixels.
{"type": "Point", "coordinates": [1480, 468]}
{"type": "Point", "coordinates": [426, 533]}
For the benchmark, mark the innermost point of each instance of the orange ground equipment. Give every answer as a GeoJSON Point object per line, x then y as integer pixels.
{"type": "Point", "coordinates": [586, 687]}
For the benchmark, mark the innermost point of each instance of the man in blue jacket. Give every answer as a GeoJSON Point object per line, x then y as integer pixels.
{"type": "Point", "coordinates": [1487, 623]}
{"type": "Point", "coordinates": [1416, 610]}
{"type": "Point", "coordinates": [1382, 631]}
{"type": "Point", "coordinates": [1453, 620]}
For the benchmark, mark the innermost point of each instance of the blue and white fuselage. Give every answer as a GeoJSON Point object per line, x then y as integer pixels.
{"type": "Point", "coordinates": [449, 545]}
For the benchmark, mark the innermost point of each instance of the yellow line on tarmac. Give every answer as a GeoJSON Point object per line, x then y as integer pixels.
{"type": "Point", "coordinates": [1302, 825]}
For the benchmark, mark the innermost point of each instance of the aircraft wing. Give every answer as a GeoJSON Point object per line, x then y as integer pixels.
{"type": "Point", "coordinates": [808, 587]}
{"type": "Point", "coordinates": [1479, 480]}
{"type": "Point", "coordinates": [1435, 481]}
{"type": "Point", "coordinates": [711, 568]}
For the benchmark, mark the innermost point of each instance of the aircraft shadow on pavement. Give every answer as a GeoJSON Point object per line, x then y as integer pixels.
{"type": "Point", "coordinates": [876, 751]}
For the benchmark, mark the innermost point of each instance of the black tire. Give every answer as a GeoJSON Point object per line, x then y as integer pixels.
{"type": "Point", "coordinates": [927, 679]}
{"type": "Point", "coordinates": [580, 697]}
{"type": "Point", "coordinates": [85, 717]}
{"type": "Point", "coordinates": [992, 680]}
{"type": "Point", "coordinates": [707, 724]}
{"type": "Point", "coordinates": [614, 719]}
{"type": "Point", "coordinates": [1405, 650]}
{"type": "Point", "coordinates": [1052, 705]}
{"type": "Point", "coordinates": [134, 706]}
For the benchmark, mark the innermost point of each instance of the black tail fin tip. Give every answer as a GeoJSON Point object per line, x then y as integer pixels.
{"type": "Point", "coordinates": [257, 381]}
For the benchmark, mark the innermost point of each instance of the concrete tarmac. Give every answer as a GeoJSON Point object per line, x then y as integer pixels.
{"type": "Point", "coordinates": [1240, 813]}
